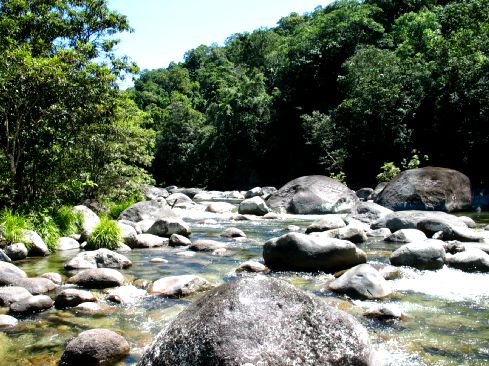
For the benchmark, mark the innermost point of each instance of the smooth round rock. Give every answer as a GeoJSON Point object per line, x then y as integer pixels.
{"type": "Point", "coordinates": [179, 286]}
{"type": "Point", "coordinates": [56, 278]}
{"type": "Point", "coordinates": [253, 206]}
{"type": "Point", "coordinates": [429, 255]}
{"type": "Point", "coordinates": [207, 245]}
{"type": "Point", "coordinates": [7, 321]}
{"type": "Point", "coordinates": [470, 260]}
{"type": "Point", "coordinates": [9, 272]}
{"type": "Point", "coordinates": [233, 232]}
{"type": "Point", "coordinates": [100, 258]}
{"type": "Point", "coordinates": [32, 304]}
{"type": "Point", "coordinates": [260, 321]}
{"type": "Point", "coordinates": [149, 241]}
{"type": "Point", "coordinates": [325, 223]}
{"type": "Point", "coordinates": [407, 236]}
{"type": "Point", "coordinates": [95, 347]}
{"type": "Point", "coordinates": [177, 240]}
{"type": "Point", "coordinates": [66, 243]}
{"type": "Point", "coordinates": [98, 278]}
{"type": "Point", "coordinates": [11, 294]}
{"type": "Point", "coordinates": [251, 266]}
{"type": "Point", "coordinates": [72, 297]}
{"type": "Point", "coordinates": [16, 251]}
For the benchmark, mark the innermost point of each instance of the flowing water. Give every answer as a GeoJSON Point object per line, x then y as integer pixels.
{"type": "Point", "coordinates": [446, 322]}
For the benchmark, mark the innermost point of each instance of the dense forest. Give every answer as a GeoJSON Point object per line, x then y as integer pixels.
{"type": "Point", "coordinates": [338, 91]}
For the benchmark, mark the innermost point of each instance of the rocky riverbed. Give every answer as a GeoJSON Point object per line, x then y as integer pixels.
{"type": "Point", "coordinates": [413, 316]}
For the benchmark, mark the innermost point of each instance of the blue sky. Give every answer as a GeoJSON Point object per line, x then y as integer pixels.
{"type": "Point", "coordinates": [166, 29]}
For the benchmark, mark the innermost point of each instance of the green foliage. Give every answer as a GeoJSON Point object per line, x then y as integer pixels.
{"type": "Point", "coordinates": [388, 171]}
{"type": "Point", "coordinates": [13, 225]}
{"type": "Point", "coordinates": [107, 234]}
{"type": "Point", "coordinates": [116, 208]}
{"type": "Point", "coordinates": [415, 160]}
{"type": "Point", "coordinates": [340, 177]}
{"type": "Point", "coordinates": [68, 221]}
{"type": "Point", "coordinates": [47, 229]}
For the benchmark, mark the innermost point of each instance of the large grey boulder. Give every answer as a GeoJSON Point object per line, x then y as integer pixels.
{"type": "Point", "coordinates": [168, 226]}
{"type": "Point", "coordinates": [95, 347]}
{"type": "Point", "coordinates": [32, 304]}
{"type": "Point", "coordinates": [313, 194]}
{"type": "Point", "coordinates": [16, 251]}
{"type": "Point", "coordinates": [470, 260]}
{"type": "Point", "coordinates": [66, 243]}
{"type": "Point", "coordinates": [260, 321]}
{"type": "Point", "coordinates": [410, 219]}
{"type": "Point", "coordinates": [253, 206]}
{"type": "Point", "coordinates": [429, 254]}
{"type": "Point", "coordinates": [128, 233]}
{"type": "Point", "coordinates": [98, 278]}
{"type": "Point", "coordinates": [90, 218]}
{"type": "Point", "coordinates": [9, 272]}
{"type": "Point", "coordinates": [179, 286]}
{"type": "Point", "coordinates": [325, 223]}
{"type": "Point", "coordinates": [429, 188]}
{"type": "Point", "coordinates": [147, 210]}
{"type": "Point", "coordinates": [149, 241]}
{"type": "Point", "coordinates": [448, 230]}
{"type": "Point", "coordinates": [368, 212]}
{"type": "Point", "coordinates": [301, 252]}
{"type": "Point", "coordinates": [37, 246]}
{"type": "Point", "coordinates": [11, 294]}
{"type": "Point", "coordinates": [362, 281]}
{"type": "Point", "coordinates": [100, 258]}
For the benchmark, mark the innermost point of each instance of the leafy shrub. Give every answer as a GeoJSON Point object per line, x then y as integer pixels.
{"type": "Point", "coordinates": [68, 221]}
{"type": "Point", "coordinates": [116, 208]}
{"type": "Point", "coordinates": [48, 231]}
{"type": "Point", "coordinates": [415, 160]}
{"type": "Point", "coordinates": [13, 226]}
{"type": "Point", "coordinates": [340, 177]}
{"type": "Point", "coordinates": [388, 171]}
{"type": "Point", "coordinates": [107, 234]}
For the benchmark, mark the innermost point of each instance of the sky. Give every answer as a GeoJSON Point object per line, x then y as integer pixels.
{"type": "Point", "coordinates": [166, 29]}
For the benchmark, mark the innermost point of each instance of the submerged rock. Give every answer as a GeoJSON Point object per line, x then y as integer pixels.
{"type": "Point", "coordinates": [260, 321]}
{"type": "Point", "coordinates": [301, 252]}
{"type": "Point", "coordinates": [95, 347]}
{"type": "Point", "coordinates": [314, 194]}
{"type": "Point", "coordinates": [362, 281]}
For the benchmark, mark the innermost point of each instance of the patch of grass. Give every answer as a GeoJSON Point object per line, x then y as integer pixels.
{"type": "Point", "coordinates": [107, 234]}
{"type": "Point", "coordinates": [13, 226]}
{"type": "Point", "coordinates": [48, 231]}
{"type": "Point", "coordinates": [116, 208]}
{"type": "Point", "coordinates": [68, 221]}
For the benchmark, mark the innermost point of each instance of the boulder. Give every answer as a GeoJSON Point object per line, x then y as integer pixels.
{"type": "Point", "coordinates": [35, 285]}
{"type": "Point", "coordinates": [146, 210]}
{"type": "Point", "coordinates": [149, 241]}
{"type": "Point", "coordinates": [260, 321]}
{"type": "Point", "coordinates": [470, 260]}
{"type": "Point", "coordinates": [368, 212]}
{"type": "Point", "coordinates": [220, 207]}
{"type": "Point", "coordinates": [253, 193]}
{"type": "Point", "coordinates": [95, 347]}
{"type": "Point", "coordinates": [314, 194]}
{"type": "Point", "coordinates": [384, 312]}
{"type": "Point", "coordinates": [100, 258]}
{"type": "Point", "coordinates": [349, 233]}
{"type": "Point", "coordinates": [128, 233]}
{"type": "Point", "coordinates": [267, 192]}
{"type": "Point", "coordinates": [37, 246]}
{"type": "Point", "coordinates": [11, 294]}
{"type": "Point", "coordinates": [7, 321]}
{"type": "Point", "coordinates": [233, 232]}
{"type": "Point", "coordinates": [179, 241]}
{"type": "Point", "coordinates": [56, 278]}
{"type": "Point", "coordinates": [253, 206]}
{"type": "Point", "coordinates": [410, 219]}
{"type": "Point", "coordinates": [125, 294]}
{"type": "Point", "coordinates": [179, 286]}
{"type": "Point", "coordinates": [207, 245]}
{"type": "Point", "coordinates": [379, 233]}
{"type": "Point", "coordinates": [66, 243]}
{"type": "Point", "coordinates": [301, 252]}
{"type": "Point", "coordinates": [167, 226]}
{"type": "Point", "coordinates": [98, 278]}
{"type": "Point", "coordinates": [155, 193]}
{"type": "Point", "coordinates": [176, 199]}
{"type": "Point", "coordinates": [71, 297]}
{"type": "Point", "coordinates": [189, 192]}
{"type": "Point", "coordinates": [4, 257]}
{"type": "Point", "coordinates": [32, 304]}
{"type": "Point", "coordinates": [251, 266]}
{"type": "Point", "coordinates": [377, 190]}
{"type": "Point", "coordinates": [9, 272]}
{"type": "Point", "coordinates": [90, 218]}
{"type": "Point", "coordinates": [407, 236]}
{"type": "Point", "coordinates": [428, 254]}
{"type": "Point", "coordinates": [325, 223]}
{"type": "Point", "coordinates": [16, 251]}
{"type": "Point", "coordinates": [364, 193]}
{"type": "Point", "coordinates": [447, 230]}
{"type": "Point", "coordinates": [429, 188]}
{"type": "Point", "coordinates": [362, 281]}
